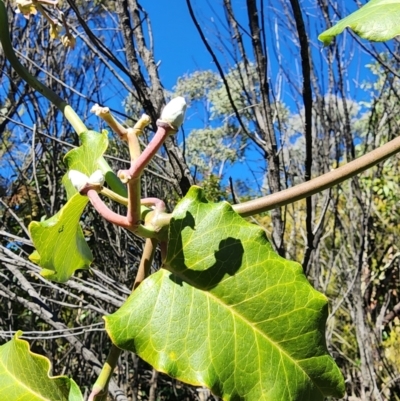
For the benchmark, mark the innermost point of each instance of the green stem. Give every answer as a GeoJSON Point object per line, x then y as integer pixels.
{"type": "Point", "coordinates": [320, 183]}
{"type": "Point", "coordinates": [60, 103]}
{"type": "Point", "coordinates": [122, 200]}
{"type": "Point", "coordinates": [133, 212]}
{"type": "Point", "coordinates": [149, 251]}
{"type": "Point", "coordinates": [100, 388]}
{"type": "Point", "coordinates": [111, 178]}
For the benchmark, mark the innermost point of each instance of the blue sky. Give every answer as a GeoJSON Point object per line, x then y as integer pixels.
{"type": "Point", "coordinates": [179, 47]}
{"type": "Point", "coordinates": [180, 50]}
{"type": "Point", "coordinates": [177, 43]}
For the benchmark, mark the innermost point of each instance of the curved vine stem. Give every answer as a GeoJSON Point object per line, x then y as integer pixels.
{"type": "Point", "coordinates": [320, 183]}
{"type": "Point", "coordinates": [60, 103]}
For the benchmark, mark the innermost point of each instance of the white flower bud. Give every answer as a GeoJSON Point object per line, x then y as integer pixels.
{"type": "Point", "coordinates": [99, 111]}
{"type": "Point", "coordinates": [174, 112]}
{"type": "Point", "coordinates": [78, 179]}
{"type": "Point", "coordinates": [97, 178]}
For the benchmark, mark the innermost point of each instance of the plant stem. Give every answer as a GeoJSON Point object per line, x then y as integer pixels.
{"type": "Point", "coordinates": [133, 213]}
{"type": "Point", "coordinates": [111, 178]}
{"type": "Point", "coordinates": [104, 211]}
{"type": "Point", "coordinates": [105, 114]}
{"type": "Point", "coordinates": [138, 165]}
{"type": "Point", "coordinates": [122, 200]}
{"type": "Point", "coordinates": [320, 183]}
{"type": "Point", "coordinates": [149, 250]}
{"type": "Point", "coordinates": [100, 388]}
{"type": "Point", "coordinates": [61, 104]}
{"type": "Point", "coordinates": [133, 223]}
{"type": "Point", "coordinates": [133, 143]}
{"type": "Point", "coordinates": [56, 100]}
{"type": "Point", "coordinates": [132, 136]}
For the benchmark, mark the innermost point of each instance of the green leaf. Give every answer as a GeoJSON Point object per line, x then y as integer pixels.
{"type": "Point", "coordinates": [229, 313]}
{"type": "Point", "coordinates": [24, 376]}
{"type": "Point", "coordinates": [60, 245]}
{"type": "Point", "coordinates": [378, 20]}
{"type": "Point", "coordinates": [86, 158]}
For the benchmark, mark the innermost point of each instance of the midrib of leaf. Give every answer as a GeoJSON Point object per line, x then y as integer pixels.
{"type": "Point", "coordinates": [245, 320]}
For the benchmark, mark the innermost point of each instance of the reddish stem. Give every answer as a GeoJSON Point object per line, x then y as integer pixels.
{"type": "Point", "coordinates": [133, 214]}
{"type": "Point", "coordinates": [157, 203]}
{"type": "Point", "coordinates": [105, 212]}
{"type": "Point", "coordinates": [138, 166]}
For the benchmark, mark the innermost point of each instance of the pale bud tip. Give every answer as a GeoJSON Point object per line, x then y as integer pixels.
{"type": "Point", "coordinates": [174, 112]}
{"type": "Point", "coordinates": [78, 179]}
{"type": "Point", "coordinates": [97, 178]}
{"type": "Point", "coordinates": [99, 111]}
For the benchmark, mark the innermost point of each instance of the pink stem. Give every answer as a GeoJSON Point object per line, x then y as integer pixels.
{"type": "Point", "coordinates": [133, 213]}
{"type": "Point", "coordinates": [157, 203]}
{"type": "Point", "coordinates": [137, 167]}
{"type": "Point", "coordinates": [105, 212]}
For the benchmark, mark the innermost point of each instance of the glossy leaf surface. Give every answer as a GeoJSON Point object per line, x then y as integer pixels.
{"type": "Point", "coordinates": [378, 20]}
{"type": "Point", "coordinates": [24, 376]}
{"type": "Point", "coordinates": [229, 313]}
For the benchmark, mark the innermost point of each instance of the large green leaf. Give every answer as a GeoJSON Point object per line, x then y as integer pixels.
{"type": "Point", "coordinates": [378, 20]}
{"type": "Point", "coordinates": [60, 245]}
{"type": "Point", "coordinates": [61, 248]}
{"type": "Point", "coordinates": [229, 313]}
{"type": "Point", "coordinates": [86, 158]}
{"type": "Point", "coordinates": [24, 376]}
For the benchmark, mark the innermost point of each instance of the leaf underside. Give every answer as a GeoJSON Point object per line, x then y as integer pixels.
{"type": "Point", "coordinates": [24, 376]}
{"type": "Point", "coordinates": [85, 158]}
{"type": "Point", "coordinates": [61, 248]}
{"type": "Point", "coordinates": [378, 20]}
{"type": "Point", "coordinates": [228, 313]}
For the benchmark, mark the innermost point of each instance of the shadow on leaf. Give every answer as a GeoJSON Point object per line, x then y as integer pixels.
{"type": "Point", "coordinates": [228, 259]}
